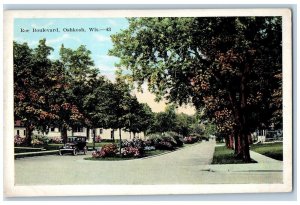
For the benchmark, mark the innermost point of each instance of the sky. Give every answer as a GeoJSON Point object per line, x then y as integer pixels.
{"type": "Point", "coordinates": [98, 43]}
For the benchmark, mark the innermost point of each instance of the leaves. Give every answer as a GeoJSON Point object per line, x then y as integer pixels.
{"type": "Point", "coordinates": [227, 65]}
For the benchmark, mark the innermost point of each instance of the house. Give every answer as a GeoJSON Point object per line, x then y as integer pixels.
{"type": "Point", "coordinates": [19, 129]}
{"type": "Point", "coordinates": [55, 132]}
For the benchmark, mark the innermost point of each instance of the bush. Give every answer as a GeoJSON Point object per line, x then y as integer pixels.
{"type": "Point", "coordinates": [130, 152]}
{"type": "Point", "coordinates": [196, 136]}
{"type": "Point", "coordinates": [164, 145]}
{"type": "Point", "coordinates": [149, 148]}
{"type": "Point", "coordinates": [177, 137]}
{"type": "Point", "coordinates": [19, 140]}
{"type": "Point", "coordinates": [39, 140]}
{"type": "Point", "coordinates": [161, 141]}
{"type": "Point", "coordinates": [191, 139]}
{"type": "Point", "coordinates": [108, 150]}
{"type": "Point", "coordinates": [55, 140]}
{"type": "Point", "coordinates": [133, 148]}
{"type": "Point", "coordinates": [98, 139]}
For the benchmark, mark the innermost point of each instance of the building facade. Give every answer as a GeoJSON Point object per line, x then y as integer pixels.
{"type": "Point", "coordinates": [55, 132]}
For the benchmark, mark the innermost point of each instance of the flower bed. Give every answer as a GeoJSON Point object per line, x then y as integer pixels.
{"type": "Point", "coordinates": [108, 150]}
{"type": "Point", "coordinates": [19, 140]}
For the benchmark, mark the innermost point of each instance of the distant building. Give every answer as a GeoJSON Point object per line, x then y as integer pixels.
{"type": "Point", "coordinates": [55, 132]}
{"type": "Point", "coordinates": [19, 129]}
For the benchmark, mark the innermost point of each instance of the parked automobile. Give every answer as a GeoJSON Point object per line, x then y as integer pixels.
{"type": "Point", "coordinates": [74, 147]}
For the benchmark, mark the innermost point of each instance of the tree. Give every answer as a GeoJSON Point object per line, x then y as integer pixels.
{"type": "Point", "coordinates": [82, 77]}
{"type": "Point", "coordinates": [186, 124]}
{"type": "Point", "coordinates": [41, 90]}
{"type": "Point", "coordinates": [33, 83]}
{"type": "Point", "coordinates": [140, 117]}
{"type": "Point", "coordinates": [120, 106]}
{"type": "Point", "coordinates": [225, 64]}
{"type": "Point", "coordinates": [164, 121]}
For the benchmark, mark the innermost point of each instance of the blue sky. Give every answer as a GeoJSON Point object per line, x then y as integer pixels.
{"type": "Point", "coordinates": [97, 42]}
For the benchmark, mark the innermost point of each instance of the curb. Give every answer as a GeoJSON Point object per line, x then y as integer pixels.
{"type": "Point", "coordinates": [33, 154]}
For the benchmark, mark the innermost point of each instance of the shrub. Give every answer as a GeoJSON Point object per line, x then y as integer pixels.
{"type": "Point", "coordinates": [133, 148]}
{"type": "Point", "coordinates": [196, 136]}
{"type": "Point", "coordinates": [164, 145]}
{"type": "Point", "coordinates": [162, 141]}
{"type": "Point", "coordinates": [190, 140]}
{"type": "Point", "coordinates": [131, 152]}
{"type": "Point", "coordinates": [98, 139]}
{"type": "Point", "coordinates": [178, 139]}
{"type": "Point", "coordinates": [39, 140]}
{"type": "Point", "coordinates": [19, 140]}
{"type": "Point", "coordinates": [36, 142]}
{"type": "Point", "coordinates": [55, 140]}
{"type": "Point", "coordinates": [108, 150]}
{"type": "Point", "coordinates": [149, 148]}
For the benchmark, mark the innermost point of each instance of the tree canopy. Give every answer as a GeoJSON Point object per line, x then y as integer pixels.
{"type": "Point", "coordinates": [228, 65]}
{"type": "Point", "coordinates": [69, 92]}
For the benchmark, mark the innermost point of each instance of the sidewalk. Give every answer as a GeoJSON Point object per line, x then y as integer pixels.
{"type": "Point", "coordinates": [264, 164]}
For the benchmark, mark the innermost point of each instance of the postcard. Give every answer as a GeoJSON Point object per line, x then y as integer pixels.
{"type": "Point", "coordinates": [144, 102]}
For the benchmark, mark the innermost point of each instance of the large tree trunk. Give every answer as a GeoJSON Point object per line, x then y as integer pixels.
{"type": "Point", "coordinates": [112, 135]}
{"type": "Point", "coordinates": [243, 118]}
{"type": "Point", "coordinates": [238, 145]}
{"type": "Point", "coordinates": [87, 133]}
{"type": "Point", "coordinates": [231, 141]}
{"type": "Point", "coordinates": [29, 130]}
{"type": "Point", "coordinates": [120, 138]}
{"type": "Point", "coordinates": [94, 139]}
{"type": "Point", "coordinates": [64, 133]}
{"type": "Point", "coordinates": [227, 141]}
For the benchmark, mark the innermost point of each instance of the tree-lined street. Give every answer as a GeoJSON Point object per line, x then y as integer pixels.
{"type": "Point", "coordinates": [229, 69]}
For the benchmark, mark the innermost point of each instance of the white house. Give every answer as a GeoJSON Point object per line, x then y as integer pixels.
{"type": "Point", "coordinates": [55, 132]}
{"type": "Point", "coordinates": [19, 129]}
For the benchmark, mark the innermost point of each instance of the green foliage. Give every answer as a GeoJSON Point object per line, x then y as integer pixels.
{"type": "Point", "coordinates": [165, 141]}
{"type": "Point", "coordinates": [39, 139]}
{"type": "Point", "coordinates": [71, 92]}
{"type": "Point", "coordinates": [230, 66]}
{"type": "Point", "coordinates": [108, 150]}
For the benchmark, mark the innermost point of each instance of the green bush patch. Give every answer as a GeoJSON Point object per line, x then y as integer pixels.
{"type": "Point", "coordinates": [272, 150]}
{"type": "Point", "coordinates": [223, 155]}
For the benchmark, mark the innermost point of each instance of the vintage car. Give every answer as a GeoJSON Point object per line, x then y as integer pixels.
{"type": "Point", "coordinates": [74, 146]}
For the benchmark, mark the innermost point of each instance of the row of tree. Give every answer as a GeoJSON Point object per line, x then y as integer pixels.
{"type": "Point", "coordinates": [180, 123]}
{"type": "Point", "coordinates": [70, 92]}
{"type": "Point", "coordinates": [229, 66]}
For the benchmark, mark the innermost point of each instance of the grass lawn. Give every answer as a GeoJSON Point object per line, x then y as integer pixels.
{"type": "Point", "coordinates": [223, 155]}
{"type": "Point", "coordinates": [272, 150]}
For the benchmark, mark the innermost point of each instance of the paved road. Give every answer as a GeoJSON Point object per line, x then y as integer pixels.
{"type": "Point", "coordinates": [190, 165]}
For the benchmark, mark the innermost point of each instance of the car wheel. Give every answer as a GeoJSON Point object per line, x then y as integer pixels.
{"type": "Point", "coordinates": [74, 152]}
